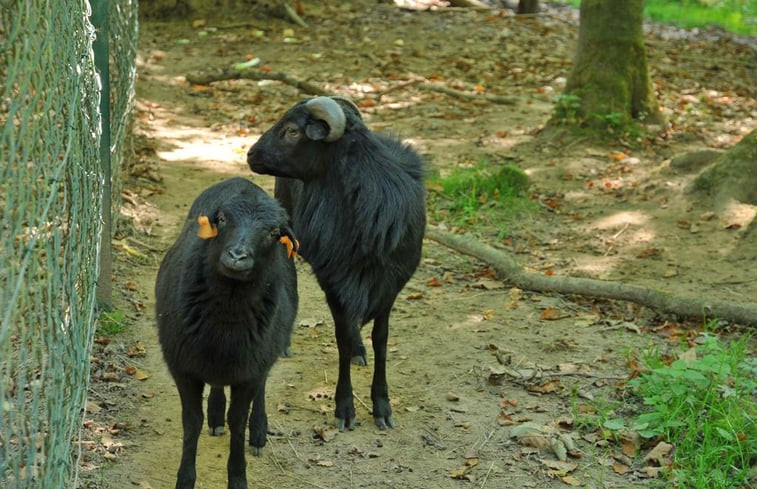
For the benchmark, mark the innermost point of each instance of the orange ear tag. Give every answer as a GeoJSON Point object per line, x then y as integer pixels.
{"type": "Point", "coordinates": [291, 247]}
{"type": "Point", "coordinates": [205, 229]}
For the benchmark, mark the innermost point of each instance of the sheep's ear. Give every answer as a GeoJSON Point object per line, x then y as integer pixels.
{"type": "Point", "coordinates": [316, 130]}
{"type": "Point", "coordinates": [287, 238]}
{"type": "Point", "coordinates": [205, 229]}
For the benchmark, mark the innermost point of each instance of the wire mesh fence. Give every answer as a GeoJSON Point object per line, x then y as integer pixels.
{"type": "Point", "coordinates": [50, 193]}
{"type": "Point", "coordinates": [123, 75]}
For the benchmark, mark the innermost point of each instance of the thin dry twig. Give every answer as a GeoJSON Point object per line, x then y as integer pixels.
{"type": "Point", "coordinates": [367, 408]}
{"type": "Point", "coordinates": [486, 476]}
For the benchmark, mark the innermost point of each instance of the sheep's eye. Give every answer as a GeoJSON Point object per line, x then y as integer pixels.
{"type": "Point", "coordinates": [291, 132]}
{"type": "Point", "coordinates": [221, 219]}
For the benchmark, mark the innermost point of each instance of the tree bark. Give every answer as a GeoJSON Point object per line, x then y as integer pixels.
{"type": "Point", "coordinates": [609, 75]}
{"type": "Point", "coordinates": [507, 269]}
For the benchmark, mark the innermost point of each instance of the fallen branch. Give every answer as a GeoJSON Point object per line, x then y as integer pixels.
{"type": "Point", "coordinates": [497, 99]}
{"type": "Point", "coordinates": [206, 77]}
{"type": "Point", "coordinates": [507, 269]}
{"type": "Point", "coordinates": [470, 4]}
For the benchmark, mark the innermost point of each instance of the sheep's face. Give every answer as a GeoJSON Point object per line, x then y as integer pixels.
{"type": "Point", "coordinates": [294, 147]}
{"type": "Point", "coordinates": [247, 236]}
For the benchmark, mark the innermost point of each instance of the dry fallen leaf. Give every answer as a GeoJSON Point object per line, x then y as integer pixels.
{"type": "Point", "coordinates": [552, 314]}
{"type": "Point", "coordinates": [660, 455]}
{"type": "Point", "coordinates": [488, 284]}
{"type": "Point", "coordinates": [570, 480]}
{"type": "Point", "coordinates": [558, 468]}
{"type": "Point", "coordinates": [630, 442]}
{"type": "Point", "coordinates": [463, 472]}
{"type": "Point", "coordinates": [136, 350]}
{"type": "Point", "coordinates": [649, 252]}
{"type": "Point", "coordinates": [321, 463]}
{"type": "Point", "coordinates": [325, 433]}
{"type": "Point", "coordinates": [93, 408]}
{"type": "Point", "coordinates": [433, 282]}
{"type": "Point", "coordinates": [504, 419]}
{"type": "Point", "coordinates": [548, 387]}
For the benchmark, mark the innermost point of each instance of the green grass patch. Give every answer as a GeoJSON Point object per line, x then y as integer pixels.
{"type": "Point", "coordinates": [705, 406]}
{"type": "Point", "coordinates": [737, 16]}
{"type": "Point", "coordinates": [110, 322]}
{"type": "Point", "coordinates": [485, 194]}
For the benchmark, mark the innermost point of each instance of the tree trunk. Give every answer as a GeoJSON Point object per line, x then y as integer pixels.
{"type": "Point", "coordinates": [528, 7]}
{"type": "Point", "coordinates": [609, 81]}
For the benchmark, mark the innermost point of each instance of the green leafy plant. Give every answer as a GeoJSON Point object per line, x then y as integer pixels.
{"type": "Point", "coordinates": [706, 407]}
{"type": "Point", "coordinates": [613, 122]}
{"type": "Point", "coordinates": [568, 108]}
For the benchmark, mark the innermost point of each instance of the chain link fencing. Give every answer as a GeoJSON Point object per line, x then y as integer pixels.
{"type": "Point", "coordinates": [51, 187]}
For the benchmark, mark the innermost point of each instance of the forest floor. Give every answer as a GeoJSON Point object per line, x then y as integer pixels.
{"type": "Point", "coordinates": [613, 212]}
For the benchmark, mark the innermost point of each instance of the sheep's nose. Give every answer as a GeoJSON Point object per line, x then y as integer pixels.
{"type": "Point", "coordinates": [237, 254]}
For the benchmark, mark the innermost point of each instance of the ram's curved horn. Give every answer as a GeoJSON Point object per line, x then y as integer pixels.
{"type": "Point", "coordinates": [350, 104]}
{"type": "Point", "coordinates": [329, 111]}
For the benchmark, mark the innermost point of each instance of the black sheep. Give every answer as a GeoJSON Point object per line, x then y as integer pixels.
{"type": "Point", "coordinates": [357, 202]}
{"type": "Point", "coordinates": [226, 299]}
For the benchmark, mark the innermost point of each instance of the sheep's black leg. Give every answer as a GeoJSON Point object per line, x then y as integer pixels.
{"type": "Point", "coordinates": [258, 422]}
{"type": "Point", "coordinates": [190, 392]}
{"type": "Point", "coordinates": [239, 407]}
{"type": "Point", "coordinates": [382, 410]}
{"type": "Point", "coordinates": [359, 355]}
{"type": "Point", "coordinates": [344, 413]}
{"type": "Point", "coordinates": [216, 411]}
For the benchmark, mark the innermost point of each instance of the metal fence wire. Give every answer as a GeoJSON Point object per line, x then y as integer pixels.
{"type": "Point", "coordinates": [51, 185]}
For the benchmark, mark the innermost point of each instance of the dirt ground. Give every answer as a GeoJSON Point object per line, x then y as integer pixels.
{"type": "Point", "coordinates": [470, 358]}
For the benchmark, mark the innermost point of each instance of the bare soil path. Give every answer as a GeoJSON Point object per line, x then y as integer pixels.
{"type": "Point", "coordinates": [469, 357]}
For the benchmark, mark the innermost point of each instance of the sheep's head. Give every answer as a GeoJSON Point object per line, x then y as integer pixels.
{"type": "Point", "coordinates": [242, 234]}
{"type": "Point", "coordinates": [296, 146]}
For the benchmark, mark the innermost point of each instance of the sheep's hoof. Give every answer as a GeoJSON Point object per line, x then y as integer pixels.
{"type": "Point", "coordinates": [216, 430]}
{"type": "Point", "coordinates": [360, 360]}
{"type": "Point", "coordinates": [342, 423]}
{"type": "Point", "coordinates": [256, 451]}
{"type": "Point", "coordinates": [286, 353]}
{"type": "Point", "coordinates": [384, 422]}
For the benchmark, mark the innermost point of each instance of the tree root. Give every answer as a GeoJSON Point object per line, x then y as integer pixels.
{"type": "Point", "coordinates": [507, 269]}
